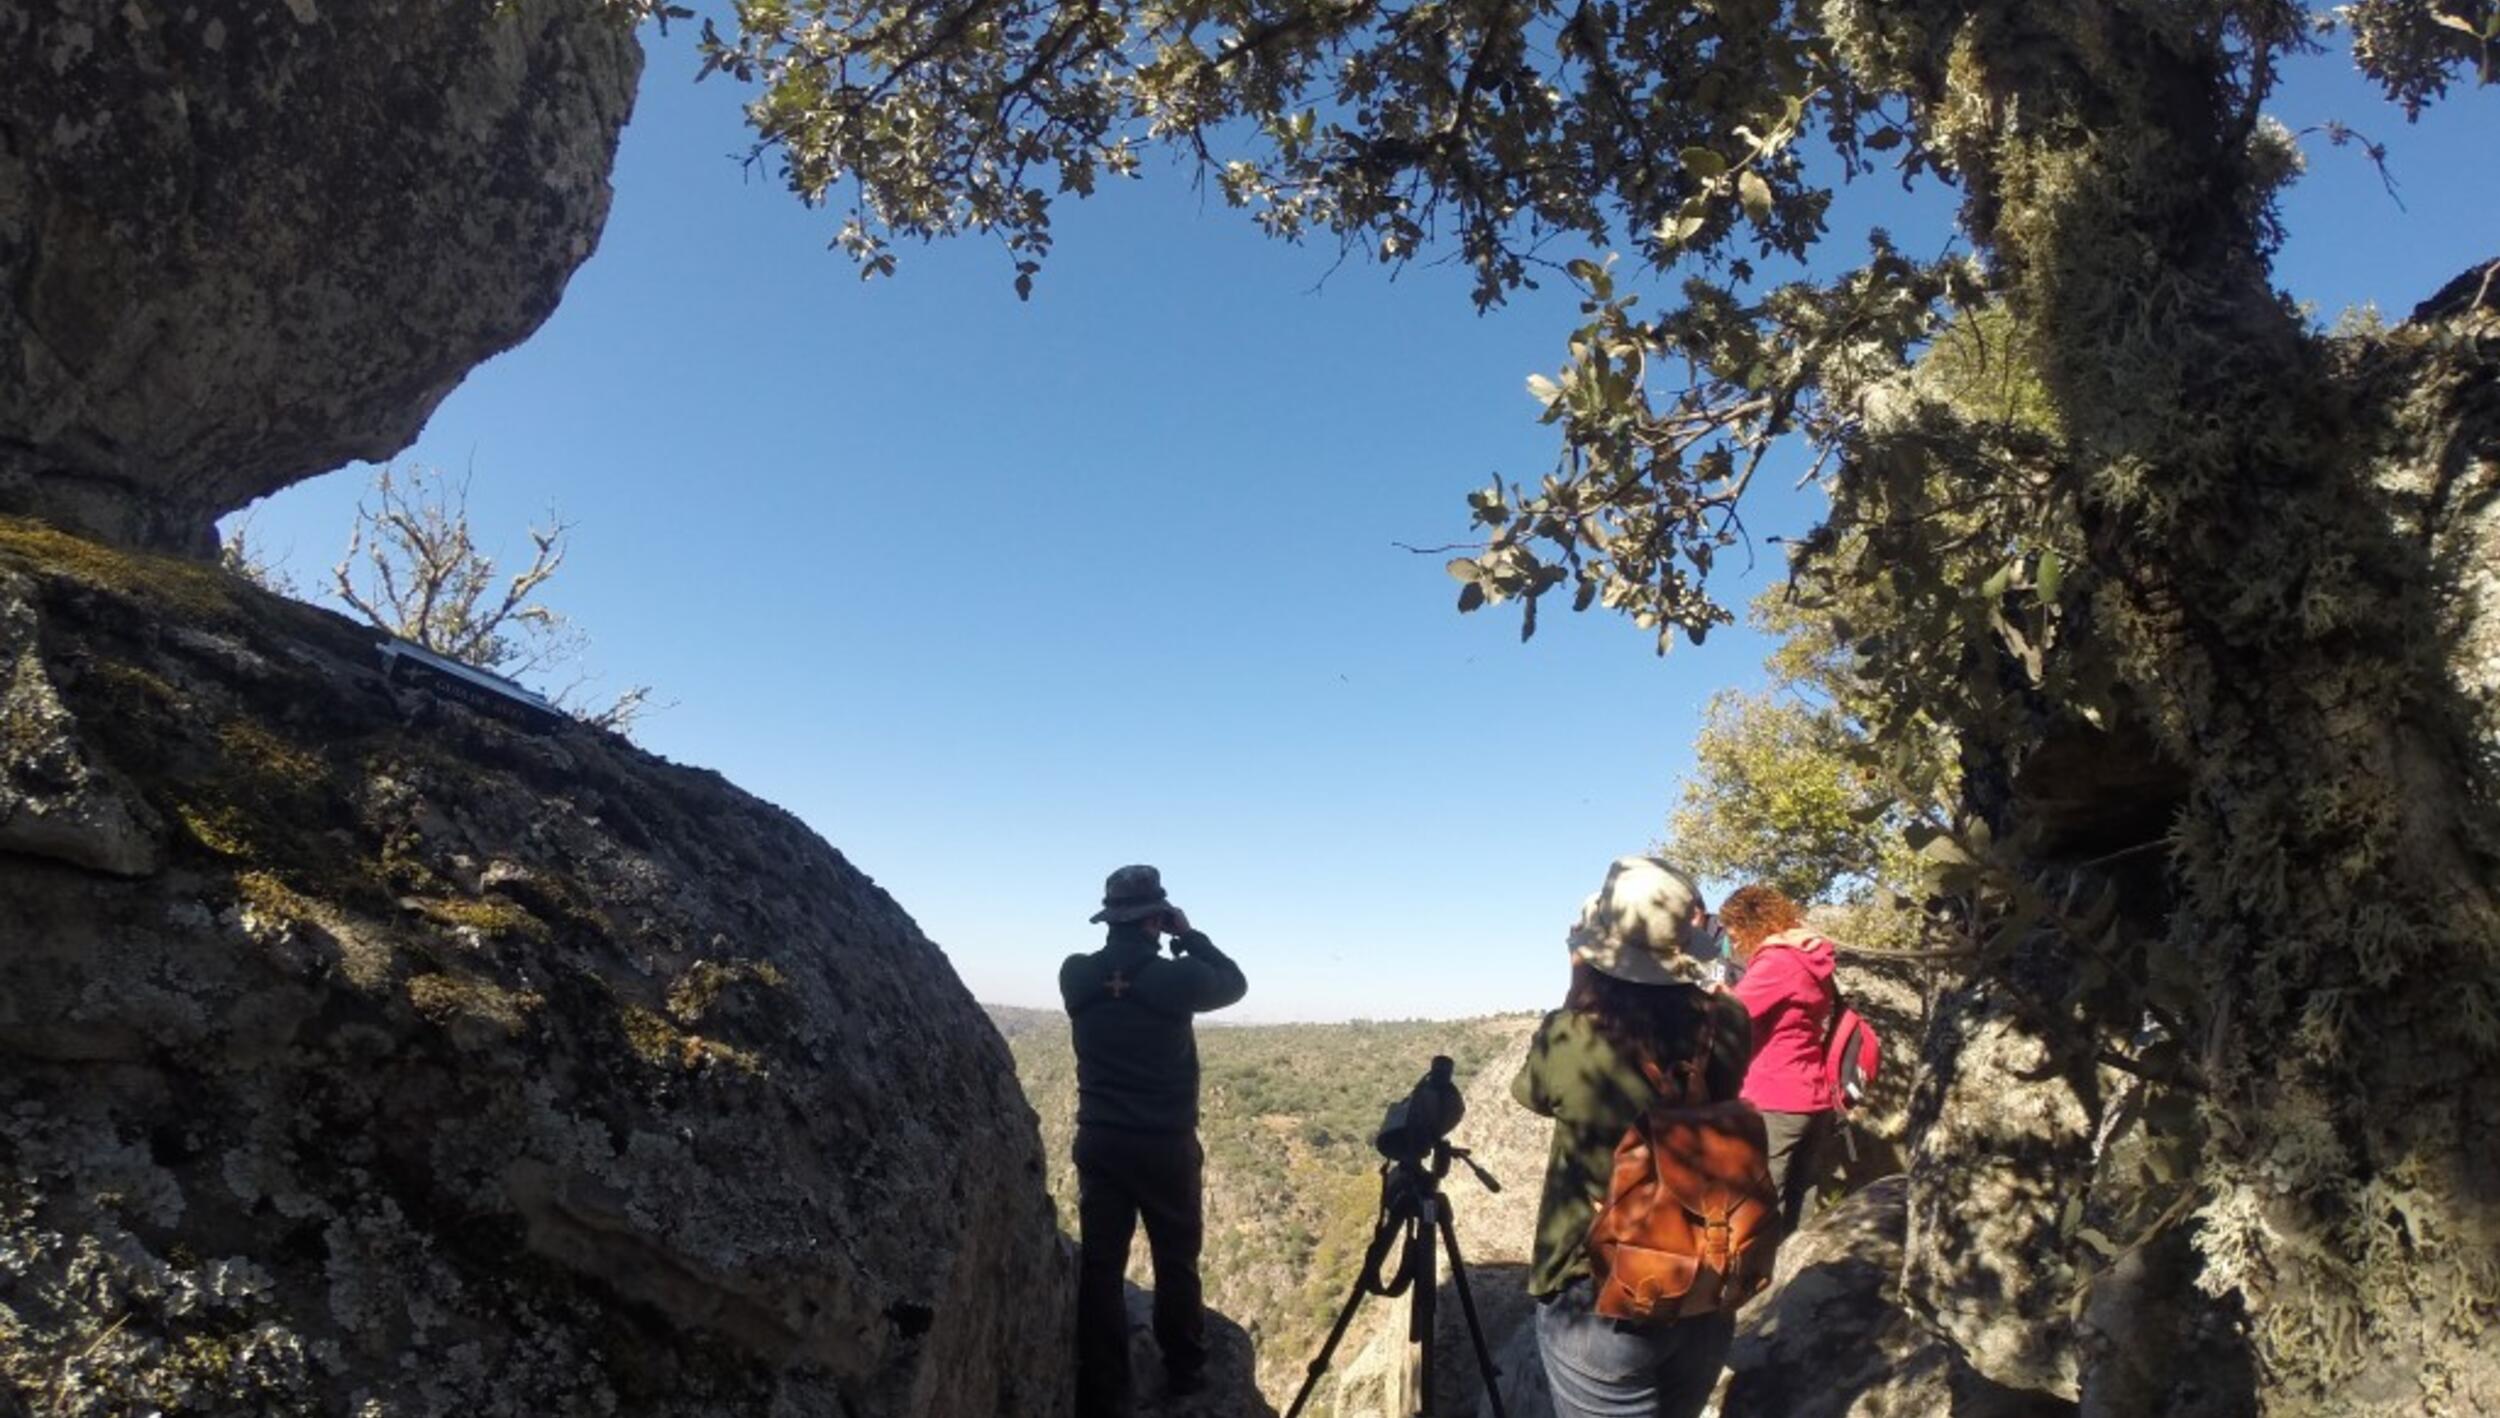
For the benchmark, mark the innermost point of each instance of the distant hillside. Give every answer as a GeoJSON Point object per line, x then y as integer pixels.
{"type": "Point", "coordinates": [1014, 1020]}
{"type": "Point", "coordinates": [1292, 1180]}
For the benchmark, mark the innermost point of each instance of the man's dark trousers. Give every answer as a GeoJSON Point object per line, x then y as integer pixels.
{"type": "Point", "coordinates": [1123, 1177]}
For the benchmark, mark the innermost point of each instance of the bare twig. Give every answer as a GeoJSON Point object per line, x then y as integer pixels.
{"type": "Point", "coordinates": [1871, 952]}
{"type": "Point", "coordinates": [60, 1384]}
{"type": "Point", "coordinates": [2343, 134]}
{"type": "Point", "coordinates": [413, 568]}
{"type": "Point", "coordinates": [2181, 1079]}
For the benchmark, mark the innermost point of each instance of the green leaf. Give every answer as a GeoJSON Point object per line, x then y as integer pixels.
{"type": "Point", "coordinates": [2170, 1114]}
{"type": "Point", "coordinates": [1702, 162]}
{"type": "Point", "coordinates": [1464, 568]}
{"type": "Point", "coordinates": [1882, 139]}
{"type": "Point", "coordinates": [1942, 850]}
{"type": "Point", "coordinates": [2093, 1237]}
{"type": "Point", "coordinates": [2017, 924]}
{"type": "Point", "coordinates": [1675, 231]}
{"type": "Point", "coordinates": [1470, 597]}
{"type": "Point", "coordinates": [2162, 1056]}
{"type": "Point", "coordinates": [2080, 1301]}
{"type": "Point", "coordinates": [2050, 576]}
{"type": "Point", "coordinates": [2169, 1159]}
{"type": "Point", "coordinates": [1543, 390]}
{"type": "Point", "coordinates": [1954, 878]}
{"type": "Point", "coordinates": [1755, 194]}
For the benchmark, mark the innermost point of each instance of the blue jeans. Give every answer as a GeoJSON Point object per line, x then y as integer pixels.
{"type": "Point", "coordinates": [1602, 1368]}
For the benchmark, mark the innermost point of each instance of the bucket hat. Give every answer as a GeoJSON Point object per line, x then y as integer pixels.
{"type": "Point", "coordinates": [1131, 894]}
{"type": "Point", "coordinates": [1638, 927]}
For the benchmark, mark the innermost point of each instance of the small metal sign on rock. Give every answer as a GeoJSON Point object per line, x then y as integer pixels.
{"type": "Point", "coordinates": [406, 662]}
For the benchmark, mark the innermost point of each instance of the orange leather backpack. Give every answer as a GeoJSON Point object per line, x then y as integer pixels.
{"type": "Point", "coordinates": [1691, 1225]}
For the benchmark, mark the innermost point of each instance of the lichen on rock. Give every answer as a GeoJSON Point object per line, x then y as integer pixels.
{"type": "Point", "coordinates": [54, 801]}
{"type": "Point", "coordinates": [2004, 1132]}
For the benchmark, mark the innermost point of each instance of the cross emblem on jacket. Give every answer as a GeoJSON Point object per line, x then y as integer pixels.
{"type": "Point", "coordinates": [1117, 984]}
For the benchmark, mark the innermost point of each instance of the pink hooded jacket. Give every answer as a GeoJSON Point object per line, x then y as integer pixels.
{"type": "Point", "coordinates": [1787, 989]}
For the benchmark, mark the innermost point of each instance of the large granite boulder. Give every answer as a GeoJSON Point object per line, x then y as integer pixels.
{"type": "Point", "coordinates": [2156, 1346]}
{"type": "Point", "coordinates": [363, 1055]}
{"type": "Point", "coordinates": [1231, 1387]}
{"type": "Point", "coordinates": [242, 243]}
{"type": "Point", "coordinates": [2004, 1129]}
{"type": "Point", "coordinates": [1831, 1338]}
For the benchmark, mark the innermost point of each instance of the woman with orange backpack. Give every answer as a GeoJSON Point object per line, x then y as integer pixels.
{"type": "Point", "coordinates": [1788, 993]}
{"type": "Point", "coordinates": [1634, 1306]}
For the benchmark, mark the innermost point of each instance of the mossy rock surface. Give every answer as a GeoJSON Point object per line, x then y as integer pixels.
{"type": "Point", "coordinates": [359, 1054]}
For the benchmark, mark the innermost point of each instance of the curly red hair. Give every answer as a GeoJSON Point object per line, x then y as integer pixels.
{"type": "Point", "coordinates": [1754, 914]}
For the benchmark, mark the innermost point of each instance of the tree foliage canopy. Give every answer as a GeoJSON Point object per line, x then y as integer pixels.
{"type": "Point", "coordinates": [1785, 786]}
{"type": "Point", "coordinates": [1773, 796]}
{"type": "Point", "coordinates": [1500, 130]}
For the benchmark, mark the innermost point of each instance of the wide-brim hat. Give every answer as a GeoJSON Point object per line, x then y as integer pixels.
{"type": "Point", "coordinates": [1639, 926]}
{"type": "Point", "coordinates": [1132, 894]}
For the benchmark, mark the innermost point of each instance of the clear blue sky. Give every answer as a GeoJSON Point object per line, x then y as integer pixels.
{"type": "Point", "coordinates": [999, 596]}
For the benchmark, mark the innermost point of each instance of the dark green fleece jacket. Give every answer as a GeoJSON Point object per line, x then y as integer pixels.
{"type": "Point", "coordinates": [1129, 1010]}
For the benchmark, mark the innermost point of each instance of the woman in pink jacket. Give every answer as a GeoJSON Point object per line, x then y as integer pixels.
{"type": "Point", "coordinates": [1787, 989]}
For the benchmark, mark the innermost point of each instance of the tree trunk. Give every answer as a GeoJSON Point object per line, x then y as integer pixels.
{"type": "Point", "coordinates": [2295, 536]}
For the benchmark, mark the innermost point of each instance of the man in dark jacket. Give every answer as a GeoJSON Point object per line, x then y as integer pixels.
{"type": "Point", "coordinates": [1137, 1153]}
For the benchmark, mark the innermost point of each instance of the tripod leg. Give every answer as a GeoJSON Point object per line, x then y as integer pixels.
{"type": "Point", "coordinates": [1345, 1316]}
{"type": "Point", "coordinates": [1426, 1302]}
{"type": "Point", "coordinates": [1319, 1365]}
{"type": "Point", "coordinates": [1475, 1327]}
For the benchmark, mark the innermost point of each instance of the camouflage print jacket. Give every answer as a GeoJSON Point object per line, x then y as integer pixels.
{"type": "Point", "coordinates": [1593, 1091]}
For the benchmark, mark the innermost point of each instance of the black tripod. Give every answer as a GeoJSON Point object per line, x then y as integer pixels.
{"type": "Point", "coordinates": [1413, 1209]}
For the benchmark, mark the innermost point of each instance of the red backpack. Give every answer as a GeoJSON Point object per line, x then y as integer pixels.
{"type": "Point", "coordinates": [1852, 1053]}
